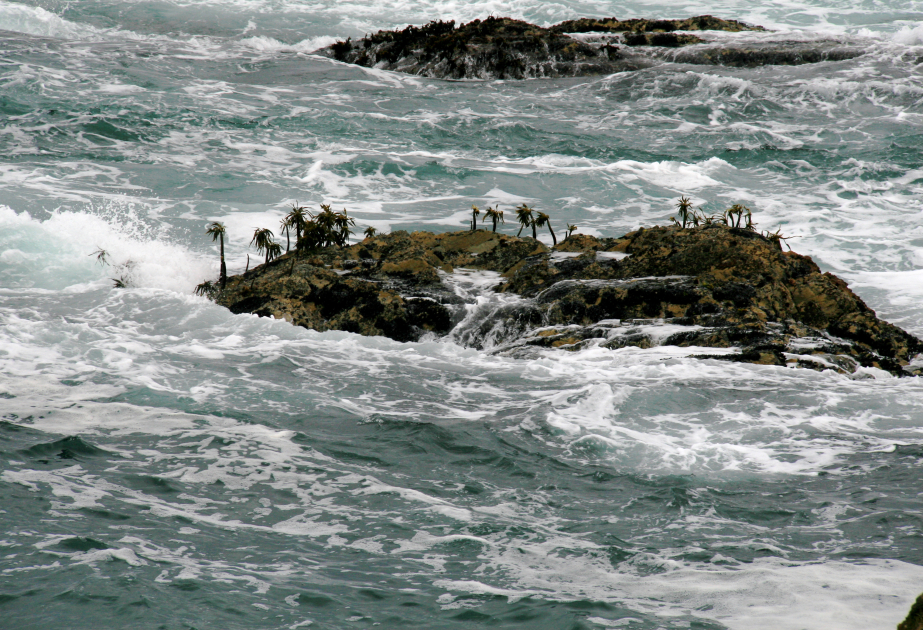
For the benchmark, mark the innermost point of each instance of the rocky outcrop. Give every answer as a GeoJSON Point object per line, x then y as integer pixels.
{"type": "Point", "coordinates": [386, 285]}
{"type": "Point", "coordinates": [914, 620]}
{"type": "Point", "coordinates": [615, 25]}
{"type": "Point", "coordinates": [504, 48]}
{"type": "Point", "coordinates": [713, 286]}
{"type": "Point", "coordinates": [495, 48]}
{"type": "Point", "coordinates": [726, 287]}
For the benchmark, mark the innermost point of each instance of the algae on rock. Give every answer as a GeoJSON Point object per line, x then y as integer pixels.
{"type": "Point", "coordinates": [712, 286]}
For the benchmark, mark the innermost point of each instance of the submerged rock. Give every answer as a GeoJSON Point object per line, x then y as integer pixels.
{"type": "Point", "coordinates": [504, 48]}
{"type": "Point", "coordinates": [707, 287]}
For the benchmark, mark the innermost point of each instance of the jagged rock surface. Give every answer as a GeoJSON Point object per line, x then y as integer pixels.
{"type": "Point", "coordinates": [712, 286]}
{"type": "Point", "coordinates": [504, 48]}
{"type": "Point", "coordinates": [387, 285]}
{"type": "Point", "coordinates": [495, 48]}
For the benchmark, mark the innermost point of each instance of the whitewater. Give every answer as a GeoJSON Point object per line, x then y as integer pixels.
{"type": "Point", "coordinates": [165, 463]}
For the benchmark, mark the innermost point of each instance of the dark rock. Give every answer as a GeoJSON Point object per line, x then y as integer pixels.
{"type": "Point", "coordinates": [711, 286]}
{"type": "Point", "coordinates": [614, 25]}
{"type": "Point", "coordinates": [386, 285]}
{"type": "Point", "coordinates": [914, 620]}
{"type": "Point", "coordinates": [504, 48]}
{"type": "Point", "coordinates": [495, 48]}
{"type": "Point", "coordinates": [765, 54]}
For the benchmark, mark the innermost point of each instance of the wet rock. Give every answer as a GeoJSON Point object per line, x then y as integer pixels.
{"type": "Point", "coordinates": [914, 620]}
{"type": "Point", "coordinates": [708, 287]}
{"type": "Point", "coordinates": [504, 48]}
{"type": "Point", "coordinates": [386, 285]}
{"type": "Point", "coordinates": [495, 48]}
{"type": "Point", "coordinates": [319, 298]}
{"type": "Point", "coordinates": [765, 54]}
{"type": "Point", "coordinates": [614, 25]}
{"type": "Point", "coordinates": [733, 287]}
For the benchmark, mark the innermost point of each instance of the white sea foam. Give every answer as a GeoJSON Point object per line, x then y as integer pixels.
{"type": "Point", "coordinates": [581, 400]}
{"type": "Point", "coordinates": [263, 43]}
{"type": "Point", "coordinates": [769, 594]}
{"type": "Point", "coordinates": [676, 175]}
{"type": "Point", "coordinates": [909, 35]}
{"type": "Point", "coordinates": [585, 390]}
{"type": "Point", "coordinates": [38, 21]}
{"type": "Point", "coordinates": [60, 253]}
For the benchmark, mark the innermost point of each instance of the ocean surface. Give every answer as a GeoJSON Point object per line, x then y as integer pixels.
{"type": "Point", "coordinates": [167, 464]}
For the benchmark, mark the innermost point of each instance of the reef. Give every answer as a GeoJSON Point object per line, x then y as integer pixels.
{"type": "Point", "coordinates": [710, 287]}
{"type": "Point", "coordinates": [504, 48]}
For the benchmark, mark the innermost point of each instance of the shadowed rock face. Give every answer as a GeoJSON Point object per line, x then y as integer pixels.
{"type": "Point", "coordinates": [387, 285]}
{"type": "Point", "coordinates": [495, 48]}
{"type": "Point", "coordinates": [504, 48]}
{"type": "Point", "coordinates": [914, 620]}
{"type": "Point", "coordinates": [712, 286]}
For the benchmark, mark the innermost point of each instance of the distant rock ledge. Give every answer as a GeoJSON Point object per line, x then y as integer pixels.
{"type": "Point", "coordinates": [504, 48]}
{"type": "Point", "coordinates": [712, 286]}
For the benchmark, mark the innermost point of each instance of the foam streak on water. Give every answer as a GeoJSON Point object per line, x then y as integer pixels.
{"type": "Point", "coordinates": [168, 464]}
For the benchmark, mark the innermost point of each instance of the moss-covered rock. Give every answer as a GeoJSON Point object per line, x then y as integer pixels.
{"type": "Point", "coordinates": [713, 286]}
{"type": "Point", "coordinates": [385, 285]}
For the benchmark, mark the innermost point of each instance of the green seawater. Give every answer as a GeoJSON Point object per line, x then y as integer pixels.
{"type": "Point", "coordinates": [166, 464]}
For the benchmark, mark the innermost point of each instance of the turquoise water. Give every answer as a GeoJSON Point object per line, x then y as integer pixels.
{"type": "Point", "coordinates": [166, 464]}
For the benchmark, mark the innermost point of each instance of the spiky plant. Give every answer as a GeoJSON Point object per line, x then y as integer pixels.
{"type": "Point", "coordinates": [370, 232]}
{"type": "Point", "coordinates": [728, 215]}
{"type": "Point", "coordinates": [736, 213]}
{"type": "Point", "coordinates": [206, 289]}
{"type": "Point", "coordinates": [326, 228]}
{"type": "Point", "coordinates": [684, 210]}
{"type": "Point", "coordinates": [524, 216]}
{"type": "Point", "coordinates": [126, 274]}
{"type": "Point", "coordinates": [343, 222]}
{"type": "Point", "coordinates": [312, 238]}
{"type": "Point", "coordinates": [542, 220]}
{"type": "Point", "coordinates": [494, 215]}
{"type": "Point", "coordinates": [295, 220]}
{"type": "Point", "coordinates": [570, 230]}
{"type": "Point", "coordinates": [777, 237]}
{"type": "Point", "coordinates": [102, 256]}
{"type": "Point", "coordinates": [217, 231]}
{"type": "Point", "coordinates": [475, 213]}
{"type": "Point", "coordinates": [326, 219]}
{"type": "Point", "coordinates": [287, 231]}
{"type": "Point", "coordinates": [265, 244]}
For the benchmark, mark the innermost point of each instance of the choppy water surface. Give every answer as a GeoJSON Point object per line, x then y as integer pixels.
{"type": "Point", "coordinates": [166, 464]}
